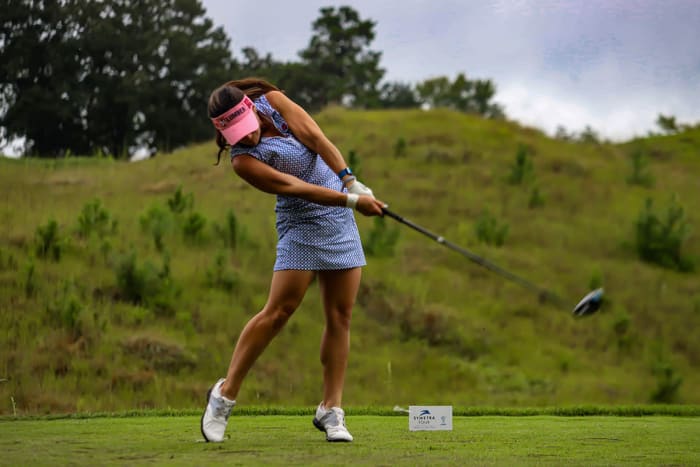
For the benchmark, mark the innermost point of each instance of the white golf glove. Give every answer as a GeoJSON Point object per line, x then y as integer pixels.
{"type": "Point", "coordinates": [358, 188]}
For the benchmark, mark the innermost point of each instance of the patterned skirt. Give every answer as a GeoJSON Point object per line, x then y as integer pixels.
{"type": "Point", "coordinates": [319, 243]}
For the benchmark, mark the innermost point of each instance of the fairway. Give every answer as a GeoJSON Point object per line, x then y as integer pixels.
{"type": "Point", "coordinates": [380, 440]}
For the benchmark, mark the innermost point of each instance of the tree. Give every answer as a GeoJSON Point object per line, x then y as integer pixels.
{"type": "Point", "coordinates": [292, 78]}
{"type": "Point", "coordinates": [589, 135]}
{"type": "Point", "coordinates": [461, 94]}
{"type": "Point", "coordinates": [563, 134]}
{"type": "Point", "coordinates": [436, 92]}
{"type": "Point", "coordinates": [39, 54]}
{"type": "Point", "coordinates": [398, 95]}
{"type": "Point", "coordinates": [89, 77]}
{"type": "Point", "coordinates": [667, 124]}
{"type": "Point", "coordinates": [341, 67]}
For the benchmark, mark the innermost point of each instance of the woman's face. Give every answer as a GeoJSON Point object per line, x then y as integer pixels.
{"type": "Point", "coordinates": [253, 138]}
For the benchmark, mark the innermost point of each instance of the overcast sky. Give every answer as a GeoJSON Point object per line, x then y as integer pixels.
{"type": "Point", "coordinates": [611, 64]}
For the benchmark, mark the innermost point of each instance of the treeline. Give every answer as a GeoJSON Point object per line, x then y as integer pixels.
{"type": "Point", "coordinates": [105, 78]}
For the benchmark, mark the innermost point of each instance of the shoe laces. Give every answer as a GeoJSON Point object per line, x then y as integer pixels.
{"type": "Point", "coordinates": [222, 409]}
{"type": "Point", "coordinates": [339, 416]}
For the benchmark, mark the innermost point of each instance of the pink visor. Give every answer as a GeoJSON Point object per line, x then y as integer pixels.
{"type": "Point", "coordinates": [237, 122]}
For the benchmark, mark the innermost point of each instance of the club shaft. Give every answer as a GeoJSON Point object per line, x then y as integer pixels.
{"type": "Point", "coordinates": [543, 293]}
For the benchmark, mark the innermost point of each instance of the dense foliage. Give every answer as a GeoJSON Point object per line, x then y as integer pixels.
{"type": "Point", "coordinates": [87, 77]}
{"type": "Point", "coordinates": [107, 78]}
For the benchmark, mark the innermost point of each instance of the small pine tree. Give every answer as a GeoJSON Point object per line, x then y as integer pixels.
{"type": "Point", "coordinates": [640, 174]}
{"type": "Point", "coordinates": [490, 231]}
{"type": "Point", "coordinates": [536, 198]}
{"type": "Point", "coordinates": [382, 239]}
{"type": "Point", "coordinates": [48, 241]}
{"type": "Point", "coordinates": [400, 148]}
{"type": "Point", "coordinates": [180, 202]}
{"type": "Point", "coordinates": [660, 241]}
{"type": "Point", "coordinates": [522, 170]}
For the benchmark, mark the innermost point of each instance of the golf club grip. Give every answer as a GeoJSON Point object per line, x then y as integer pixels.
{"type": "Point", "coordinates": [543, 294]}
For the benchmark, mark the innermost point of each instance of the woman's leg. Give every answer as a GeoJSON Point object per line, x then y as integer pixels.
{"type": "Point", "coordinates": [338, 292]}
{"type": "Point", "coordinates": [286, 293]}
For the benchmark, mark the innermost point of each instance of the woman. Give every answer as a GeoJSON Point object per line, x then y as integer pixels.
{"type": "Point", "coordinates": [278, 148]}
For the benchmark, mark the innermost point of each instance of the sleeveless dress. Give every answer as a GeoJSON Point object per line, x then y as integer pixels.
{"type": "Point", "coordinates": [310, 236]}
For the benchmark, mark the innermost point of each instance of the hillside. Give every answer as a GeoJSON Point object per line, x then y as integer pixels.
{"type": "Point", "coordinates": [122, 309]}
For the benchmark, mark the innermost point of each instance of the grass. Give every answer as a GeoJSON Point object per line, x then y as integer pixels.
{"type": "Point", "coordinates": [426, 321]}
{"type": "Point", "coordinates": [379, 440]}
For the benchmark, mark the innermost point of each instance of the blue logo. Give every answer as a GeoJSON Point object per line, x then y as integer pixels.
{"type": "Point", "coordinates": [424, 412]}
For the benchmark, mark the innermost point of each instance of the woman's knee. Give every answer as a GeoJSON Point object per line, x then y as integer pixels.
{"type": "Point", "coordinates": [279, 314]}
{"type": "Point", "coordinates": [339, 317]}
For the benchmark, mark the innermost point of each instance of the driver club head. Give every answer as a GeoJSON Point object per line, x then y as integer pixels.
{"type": "Point", "coordinates": [589, 304]}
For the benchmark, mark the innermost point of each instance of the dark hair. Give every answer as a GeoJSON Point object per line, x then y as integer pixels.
{"type": "Point", "coordinates": [228, 95]}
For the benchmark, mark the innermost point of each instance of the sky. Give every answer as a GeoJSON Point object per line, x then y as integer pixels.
{"type": "Point", "coordinates": [613, 65]}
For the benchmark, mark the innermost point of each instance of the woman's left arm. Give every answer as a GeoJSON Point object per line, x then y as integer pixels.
{"type": "Point", "coordinates": [306, 130]}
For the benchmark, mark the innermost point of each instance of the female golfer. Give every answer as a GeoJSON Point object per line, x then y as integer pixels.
{"type": "Point", "coordinates": [278, 148]}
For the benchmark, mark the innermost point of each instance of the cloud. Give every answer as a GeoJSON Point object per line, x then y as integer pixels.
{"type": "Point", "coordinates": [611, 64]}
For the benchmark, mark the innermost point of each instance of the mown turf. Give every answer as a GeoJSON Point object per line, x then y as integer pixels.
{"type": "Point", "coordinates": [380, 440]}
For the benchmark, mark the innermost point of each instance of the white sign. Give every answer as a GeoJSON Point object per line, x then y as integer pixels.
{"type": "Point", "coordinates": [429, 417]}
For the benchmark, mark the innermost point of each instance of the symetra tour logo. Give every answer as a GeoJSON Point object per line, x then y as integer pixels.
{"type": "Point", "coordinates": [424, 417]}
{"type": "Point", "coordinates": [430, 417]}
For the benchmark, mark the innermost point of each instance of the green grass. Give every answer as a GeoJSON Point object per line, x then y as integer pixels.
{"type": "Point", "coordinates": [426, 321]}
{"type": "Point", "coordinates": [379, 440]}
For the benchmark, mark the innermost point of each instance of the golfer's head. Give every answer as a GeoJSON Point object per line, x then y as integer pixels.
{"type": "Point", "coordinates": [232, 113]}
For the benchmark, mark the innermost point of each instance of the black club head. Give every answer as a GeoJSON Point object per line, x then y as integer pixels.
{"type": "Point", "coordinates": [589, 304]}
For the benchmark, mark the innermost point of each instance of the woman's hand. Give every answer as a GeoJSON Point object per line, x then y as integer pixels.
{"type": "Point", "coordinates": [359, 188]}
{"type": "Point", "coordinates": [370, 206]}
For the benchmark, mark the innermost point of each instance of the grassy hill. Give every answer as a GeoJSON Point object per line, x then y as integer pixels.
{"type": "Point", "coordinates": [125, 285]}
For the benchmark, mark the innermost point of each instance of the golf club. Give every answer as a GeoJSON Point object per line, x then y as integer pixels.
{"type": "Point", "coordinates": [587, 306]}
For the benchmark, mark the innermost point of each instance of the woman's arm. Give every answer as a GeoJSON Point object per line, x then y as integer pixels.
{"type": "Point", "coordinates": [306, 130]}
{"type": "Point", "coordinates": [269, 180]}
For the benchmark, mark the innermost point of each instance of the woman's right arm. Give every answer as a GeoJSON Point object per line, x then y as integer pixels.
{"type": "Point", "coordinates": [269, 180]}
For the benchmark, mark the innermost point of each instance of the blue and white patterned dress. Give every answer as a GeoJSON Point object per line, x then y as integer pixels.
{"type": "Point", "coordinates": [310, 236]}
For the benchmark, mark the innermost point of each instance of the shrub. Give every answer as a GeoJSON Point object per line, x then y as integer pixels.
{"type": "Point", "coordinates": [640, 174]}
{"type": "Point", "coordinates": [64, 311]}
{"type": "Point", "coordinates": [536, 199]}
{"type": "Point", "coordinates": [193, 227]}
{"type": "Point", "coordinates": [67, 311]}
{"type": "Point", "coordinates": [382, 239]}
{"type": "Point", "coordinates": [229, 232]}
{"type": "Point", "coordinates": [48, 241]}
{"type": "Point", "coordinates": [668, 382]}
{"type": "Point", "coordinates": [221, 276]}
{"type": "Point", "coordinates": [180, 202]}
{"type": "Point", "coordinates": [400, 148]}
{"type": "Point", "coordinates": [145, 285]}
{"type": "Point", "coordinates": [490, 231]}
{"type": "Point", "coordinates": [522, 170]}
{"type": "Point", "coordinates": [659, 241]}
{"type": "Point", "coordinates": [95, 218]}
{"type": "Point", "coordinates": [157, 222]}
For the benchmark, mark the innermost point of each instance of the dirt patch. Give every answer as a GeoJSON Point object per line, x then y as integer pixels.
{"type": "Point", "coordinates": [65, 180]}
{"type": "Point", "coordinates": [163, 186]}
{"type": "Point", "coordinates": [159, 354]}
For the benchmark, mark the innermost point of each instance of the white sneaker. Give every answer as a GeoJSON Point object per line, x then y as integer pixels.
{"type": "Point", "coordinates": [332, 421]}
{"type": "Point", "coordinates": [216, 415]}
